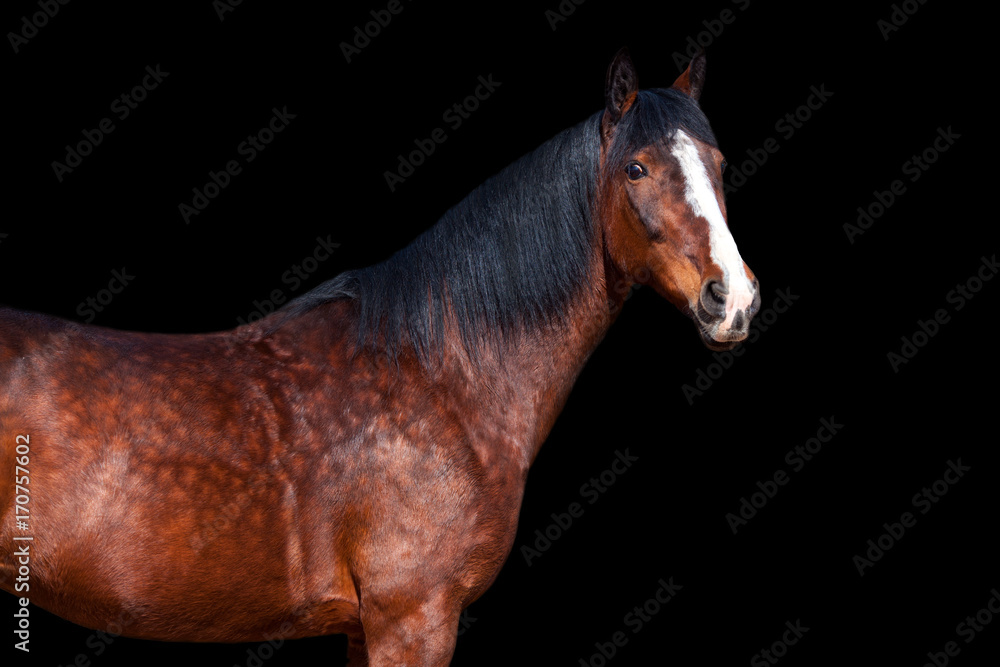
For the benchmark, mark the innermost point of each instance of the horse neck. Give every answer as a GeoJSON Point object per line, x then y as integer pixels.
{"type": "Point", "coordinates": [526, 381]}
{"type": "Point", "coordinates": [523, 382]}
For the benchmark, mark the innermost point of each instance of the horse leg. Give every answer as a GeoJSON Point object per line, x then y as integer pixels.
{"type": "Point", "coordinates": [407, 632]}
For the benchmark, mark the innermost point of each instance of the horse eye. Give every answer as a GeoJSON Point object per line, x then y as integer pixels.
{"type": "Point", "coordinates": [635, 171]}
{"type": "Point", "coordinates": [724, 165]}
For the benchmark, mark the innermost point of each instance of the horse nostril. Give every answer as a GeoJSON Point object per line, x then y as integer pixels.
{"type": "Point", "coordinates": [718, 292]}
{"type": "Point", "coordinates": [713, 298]}
{"type": "Point", "coordinates": [738, 322]}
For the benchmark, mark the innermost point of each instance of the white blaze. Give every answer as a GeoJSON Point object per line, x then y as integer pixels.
{"type": "Point", "coordinates": [701, 198]}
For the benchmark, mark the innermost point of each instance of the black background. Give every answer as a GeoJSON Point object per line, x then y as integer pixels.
{"type": "Point", "coordinates": [825, 357]}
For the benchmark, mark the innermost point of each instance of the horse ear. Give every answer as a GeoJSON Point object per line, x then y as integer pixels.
{"type": "Point", "coordinates": [621, 86]}
{"type": "Point", "coordinates": [693, 78]}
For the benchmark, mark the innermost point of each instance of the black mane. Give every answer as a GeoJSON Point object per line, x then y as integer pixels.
{"type": "Point", "coordinates": [509, 255]}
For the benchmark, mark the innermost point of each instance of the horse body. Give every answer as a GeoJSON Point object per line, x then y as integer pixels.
{"type": "Point", "coordinates": [341, 467]}
{"type": "Point", "coordinates": [148, 466]}
{"type": "Point", "coordinates": [193, 501]}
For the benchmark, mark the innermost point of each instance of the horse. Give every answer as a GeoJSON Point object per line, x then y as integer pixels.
{"type": "Point", "coordinates": [355, 461]}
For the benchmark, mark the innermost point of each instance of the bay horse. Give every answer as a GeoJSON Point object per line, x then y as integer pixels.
{"type": "Point", "coordinates": [355, 462]}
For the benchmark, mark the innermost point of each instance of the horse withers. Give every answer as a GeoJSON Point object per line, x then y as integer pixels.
{"type": "Point", "coordinates": [355, 462]}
